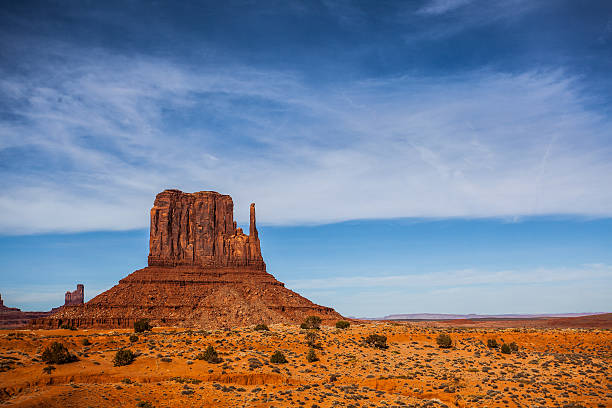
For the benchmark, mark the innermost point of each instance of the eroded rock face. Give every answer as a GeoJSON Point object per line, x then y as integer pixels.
{"type": "Point", "coordinates": [203, 272]}
{"type": "Point", "coordinates": [199, 229]}
{"type": "Point", "coordinates": [76, 297]}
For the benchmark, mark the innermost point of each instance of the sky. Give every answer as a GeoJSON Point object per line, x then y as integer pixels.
{"type": "Point", "coordinates": [442, 156]}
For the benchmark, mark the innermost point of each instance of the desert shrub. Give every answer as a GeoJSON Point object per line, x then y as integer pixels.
{"type": "Point", "coordinates": [444, 341]}
{"type": "Point", "coordinates": [311, 356]}
{"type": "Point", "coordinates": [133, 338]}
{"type": "Point", "coordinates": [142, 325]}
{"type": "Point", "coordinates": [67, 327]}
{"type": "Point", "coordinates": [261, 327]}
{"type": "Point", "coordinates": [48, 369]}
{"type": "Point", "coordinates": [492, 343]}
{"type": "Point", "coordinates": [513, 347]}
{"type": "Point", "coordinates": [209, 355]}
{"type": "Point", "coordinates": [166, 359]}
{"type": "Point", "coordinates": [311, 322]}
{"type": "Point", "coordinates": [57, 353]}
{"type": "Point", "coordinates": [145, 404]}
{"type": "Point", "coordinates": [86, 342]}
{"type": "Point", "coordinates": [376, 340]}
{"type": "Point", "coordinates": [342, 324]}
{"type": "Point", "coordinates": [123, 357]}
{"type": "Point", "coordinates": [505, 349]}
{"type": "Point", "coordinates": [333, 378]}
{"type": "Point", "coordinates": [311, 339]}
{"type": "Point", "coordinates": [278, 358]}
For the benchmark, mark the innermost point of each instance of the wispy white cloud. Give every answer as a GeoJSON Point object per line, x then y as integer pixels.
{"type": "Point", "coordinates": [466, 277]}
{"type": "Point", "coordinates": [442, 6]}
{"type": "Point", "coordinates": [446, 18]}
{"type": "Point", "coordinates": [87, 141]}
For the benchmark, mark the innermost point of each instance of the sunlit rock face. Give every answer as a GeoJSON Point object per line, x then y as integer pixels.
{"type": "Point", "coordinates": [202, 271]}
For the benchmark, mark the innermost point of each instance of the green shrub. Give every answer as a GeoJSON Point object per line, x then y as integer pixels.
{"type": "Point", "coordinates": [57, 353]}
{"type": "Point", "coordinates": [444, 341]}
{"type": "Point", "coordinates": [492, 343]}
{"type": "Point", "coordinates": [278, 358]}
{"type": "Point", "coordinates": [142, 325]}
{"type": "Point", "coordinates": [505, 349]}
{"type": "Point", "coordinates": [513, 347]}
{"type": "Point", "coordinates": [311, 322]}
{"type": "Point", "coordinates": [261, 327]}
{"type": "Point", "coordinates": [86, 342]}
{"type": "Point", "coordinates": [209, 355]}
{"type": "Point", "coordinates": [123, 357]}
{"type": "Point", "coordinates": [311, 356]}
{"type": "Point", "coordinates": [133, 338]}
{"type": "Point", "coordinates": [377, 340]}
{"type": "Point", "coordinates": [342, 324]}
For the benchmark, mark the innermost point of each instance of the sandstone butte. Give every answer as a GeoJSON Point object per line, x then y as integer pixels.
{"type": "Point", "coordinates": [202, 271]}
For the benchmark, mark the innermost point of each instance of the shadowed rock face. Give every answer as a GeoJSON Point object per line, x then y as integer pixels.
{"type": "Point", "coordinates": [203, 272]}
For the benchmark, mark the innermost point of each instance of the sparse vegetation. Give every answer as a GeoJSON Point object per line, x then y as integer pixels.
{"type": "Point", "coordinates": [513, 347]}
{"type": "Point", "coordinates": [505, 349]}
{"type": "Point", "coordinates": [123, 357]}
{"type": "Point", "coordinates": [492, 343]}
{"type": "Point", "coordinates": [145, 404]}
{"type": "Point", "coordinates": [278, 358]}
{"type": "Point", "coordinates": [444, 341]}
{"type": "Point", "coordinates": [142, 325]}
{"type": "Point", "coordinates": [133, 338]}
{"type": "Point", "coordinates": [261, 327]}
{"type": "Point", "coordinates": [342, 324]}
{"type": "Point", "coordinates": [376, 340]}
{"type": "Point", "coordinates": [57, 353]}
{"type": "Point", "coordinates": [86, 342]}
{"type": "Point", "coordinates": [209, 355]}
{"type": "Point", "coordinates": [311, 339]}
{"type": "Point", "coordinates": [311, 356]}
{"type": "Point", "coordinates": [311, 322]}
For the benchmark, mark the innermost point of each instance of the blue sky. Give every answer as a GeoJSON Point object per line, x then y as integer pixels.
{"type": "Point", "coordinates": [421, 156]}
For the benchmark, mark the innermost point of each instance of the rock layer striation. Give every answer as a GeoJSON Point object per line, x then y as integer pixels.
{"type": "Point", "coordinates": [203, 271]}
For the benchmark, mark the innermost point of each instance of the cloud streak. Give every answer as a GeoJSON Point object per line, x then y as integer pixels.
{"type": "Point", "coordinates": [87, 141]}
{"type": "Point", "coordinates": [537, 290]}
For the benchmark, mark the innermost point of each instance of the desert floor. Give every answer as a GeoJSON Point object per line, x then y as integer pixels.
{"type": "Point", "coordinates": [553, 367]}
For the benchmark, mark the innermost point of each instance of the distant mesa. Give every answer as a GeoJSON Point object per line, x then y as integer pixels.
{"type": "Point", "coordinates": [12, 317]}
{"type": "Point", "coordinates": [203, 271]}
{"type": "Point", "coordinates": [7, 309]}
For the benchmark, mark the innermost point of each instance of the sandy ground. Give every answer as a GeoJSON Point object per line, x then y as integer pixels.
{"type": "Point", "coordinates": [553, 368]}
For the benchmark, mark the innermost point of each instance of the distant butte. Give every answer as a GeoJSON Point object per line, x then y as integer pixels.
{"type": "Point", "coordinates": [203, 272]}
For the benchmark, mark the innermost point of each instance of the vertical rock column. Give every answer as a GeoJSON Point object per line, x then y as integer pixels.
{"type": "Point", "coordinates": [255, 257]}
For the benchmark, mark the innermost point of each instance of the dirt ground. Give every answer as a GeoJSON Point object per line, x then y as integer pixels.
{"type": "Point", "coordinates": [552, 368]}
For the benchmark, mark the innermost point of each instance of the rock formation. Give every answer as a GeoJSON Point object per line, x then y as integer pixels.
{"type": "Point", "coordinates": [203, 272]}
{"type": "Point", "coordinates": [12, 317]}
{"type": "Point", "coordinates": [5, 308]}
{"type": "Point", "coordinates": [76, 297]}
